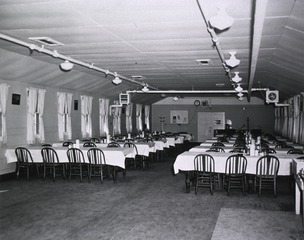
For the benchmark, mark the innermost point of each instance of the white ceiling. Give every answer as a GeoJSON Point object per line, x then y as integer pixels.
{"type": "Point", "coordinates": [159, 40]}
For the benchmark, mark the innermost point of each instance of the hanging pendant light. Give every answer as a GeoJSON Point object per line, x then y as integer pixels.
{"type": "Point", "coordinates": [145, 88]}
{"type": "Point", "coordinates": [66, 65]}
{"type": "Point", "coordinates": [238, 88]}
{"type": "Point", "coordinates": [232, 61]}
{"type": "Point", "coordinates": [240, 94]}
{"type": "Point", "coordinates": [116, 80]}
{"type": "Point", "coordinates": [236, 78]}
{"type": "Point", "coordinates": [221, 20]}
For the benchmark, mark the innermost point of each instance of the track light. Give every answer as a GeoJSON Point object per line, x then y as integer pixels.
{"type": "Point", "coordinates": [232, 61]}
{"type": "Point", "coordinates": [238, 88]}
{"type": "Point", "coordinates": [66, 65]}
{"type": "Point", "coordinates": [221, 20]}
{"type": "Point", "coordinates": [145, 88]}
{"type": "Point", "coordinates": [116, 80]}
{"type": "Point", "coordinates": [236, 78]}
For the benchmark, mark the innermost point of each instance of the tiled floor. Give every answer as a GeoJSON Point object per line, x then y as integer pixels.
{"type": "Point", "coordinates": [150, 204]}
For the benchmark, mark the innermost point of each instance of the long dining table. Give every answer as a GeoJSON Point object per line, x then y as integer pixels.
{"type": "Point", "coordinates": [114, 156]}
{"type": "Point", "coordinates": [185, 163]}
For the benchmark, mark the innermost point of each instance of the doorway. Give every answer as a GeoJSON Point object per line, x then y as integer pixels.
{"type": "Point", "coordinates": [207, 122]}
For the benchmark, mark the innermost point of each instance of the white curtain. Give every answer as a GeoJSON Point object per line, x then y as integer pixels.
{"type": "Point", "coordinates": [86, 116]}
{"type": "Point", "coordinates": [116, 121]}
{"type": "Point", "coordinates": [61, 106]}
{"type": "Point", "coordinates": [40, 109]}
{"type": "Point", "coordinates": [147, 117]}
{"type": "Point", "coordinates": [31, 109]}
{"type": "Point", "coordinates": [68, 111]}
{"type": "Point", "coordinates": [285, 122]}
{"type": "Point", "coordinates": [129, 111]}
{"type": "Point", "coordinates": [276, 120]}
{"type": "Point", "coordinates": [139, 117]}
{"type": "Point", "coordinates": [3, 102]}
{"type": "Point", "coordinates": [104, 116]}
{"type": "Point", "coordinates": [296, 119]}
{"type": "Point", "coordinates": [290, 119]}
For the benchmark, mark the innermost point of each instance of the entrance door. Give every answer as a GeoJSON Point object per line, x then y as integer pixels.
{"type": "Point", "coordinates": [207, 123]}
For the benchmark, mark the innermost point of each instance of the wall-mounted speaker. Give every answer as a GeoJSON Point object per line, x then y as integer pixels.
{"type": "Point", "coordinates": [272, 96]}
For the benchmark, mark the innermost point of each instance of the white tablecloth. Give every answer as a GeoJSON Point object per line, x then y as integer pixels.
{"type": "Point", "coordinates": [114, 156]}
{"type": "Point", "coordinates": [185, 162]}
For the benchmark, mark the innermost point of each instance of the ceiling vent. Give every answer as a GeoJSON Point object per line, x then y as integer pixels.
{"type": "Point", "coordinates": [46, 41]}
{"type": "Point", "coordinates": [138, 77]}
{"type": "Point", "coordinates": [124, 98]}
{"type": "Point", "coordinates": [272, 96]}
{"type": "Point", "coordinates": [220, 84]}
{"type": "Point", "coordinates": [203, 61]}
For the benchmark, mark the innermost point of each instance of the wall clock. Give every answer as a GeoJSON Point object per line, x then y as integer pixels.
{"type": "Point", "coordinates": [197, 103]}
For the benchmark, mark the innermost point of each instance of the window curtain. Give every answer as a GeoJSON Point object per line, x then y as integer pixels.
{"type": "Point", "coordinates": [64, 107]}
{"type": "Point", "coordinates": [290, 119]}
{"type": "Point", "coordinates": [40, 109]}
{"type": "Point", "coordinates": [86, 116]}
{"type": "Point", "coordinates": [68, 111]}
{"type": "Point", "coordinates": [103, 118]}
{"type": "Point", "coordinates": [129, 111]}
{"type": "Point", "coordinates": [32, 96]}
{"type": "Point", "coordinates": [147, 117]}
{"type": "Point", "coordinates": [117, 121]}
{"type": "Point", "coordinates": [3, 102]}
{"type": "Point", "coordinates": [285, 122]}
{"type": "Point", "coordinates": [139, 117]}
{"type": "Point", "coordinates": [302, 119]}
{"type": "Point", "coordinates": [276, 120]}
{"type": "Point", "coordinates": [296, 119]}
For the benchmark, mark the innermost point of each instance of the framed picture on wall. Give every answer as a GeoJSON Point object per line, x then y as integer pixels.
{"type": "Point", "coordinates": [16, 99]}
{"type": "Point", "coordinates": [178, 117]}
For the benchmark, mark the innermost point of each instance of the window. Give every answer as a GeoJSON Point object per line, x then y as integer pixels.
{"type": "Point", "coordinates": [3, 100]}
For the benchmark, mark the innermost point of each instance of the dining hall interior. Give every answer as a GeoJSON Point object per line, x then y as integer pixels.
{"type": "Point", "coordinates": [151, 119]}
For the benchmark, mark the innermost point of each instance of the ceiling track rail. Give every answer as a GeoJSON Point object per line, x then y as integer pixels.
{"type": "Point", "coordinates": [194, 91]}
{"type": "Point", "coordinates": [55, 54]}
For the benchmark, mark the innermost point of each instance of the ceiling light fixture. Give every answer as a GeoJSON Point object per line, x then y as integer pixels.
{"type": "Point", "coordinates": [175, 98]}
{"type": "Point", "coordinates": [221, 20]}
{"type": "Point", "coordinates": [238, 88]}
{"type": "Point", "coordinates": [66, 65]}
{"type": "Point", "coordinates": [145, 88]}
{"type": "Point", "coordinates": [240, 94]}
{"type": "Point", "coordinates": [236, 78]}
{"type": "Point", "coordinates": [232, 61]}
{"type": "Point", "coordinates": [116, 80]}
{"type": "Point", "coordinates": [241, 98]}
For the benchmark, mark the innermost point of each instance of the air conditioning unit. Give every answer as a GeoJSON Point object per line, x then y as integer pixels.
{"type": "Point", "coordinates": [272, 96]}
{"type": "Point", "coordinates": [124, 98]}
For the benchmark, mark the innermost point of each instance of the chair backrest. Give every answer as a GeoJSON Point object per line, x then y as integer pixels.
{"type": "Point", "coordinates": [23, 155]}
{"type": "Point", "coordinates": [131, 145]}
{"type": "Point", "coordinates": [281, 145]}
{"type": "Point", "coordinates": [75, 155]}
{"type": "Point", "coordinates": [238, 150]}
{"type": "Point", "coordinates": [216, 149]}
{"type": "Point", "coordinates": [269, 151]}
{"type": "Point", "coordinates": [96, 156]}
{"type": "Point", "coordinates": [67, 143]}
{"type": "Point", "coordinates": [89, 144]}
{"type": "Point", "coordinates": [129, 140]}
{"type": "Point", "coordinates": [295, 151]}
{"type": "Point", "coordinates": [204, 163]}
{"type": "Point", "coordinates": [236, 164]}
{"type": "Point", "coordinates": [267, 166]}
{"type": "Point", "coordinates": [113, 144]}
{"type": "Point", "coordinates": [95, 140]}
{"type": "Point", "coordinates": [218, 144]}
{"type": "Point", "coordinates": [49, 155]}
{"type": "Point", "coordinates": [222, 139]}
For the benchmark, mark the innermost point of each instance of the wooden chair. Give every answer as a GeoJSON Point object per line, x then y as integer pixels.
{"type": "Point", "coordinates": [95, 140]}
{"type": "Point", "coordinates": [204, 172]}
{"type": "Point", "coordinates": [295, 151]}
{"type": "Point", "coordinates": [77, 165]}
{"type": "Point", "coordinates": [133, 159]}
{"type": "Point", "coordinates": [235, 172]}
{"type": "Point", "coordinates": [268, 151]}
{"type": "Point", "coordinates": [67, 144]}
{"type": "Point", "coordinates": [266, 173]}
{"type": "Point", "coordinates": [113, 144]}
{"type": "Point", "coordinates": [89, 144]}
{"type": "Point", "coordinates": [97, 162]}
{"type": "Point", "coordinates": [25, 162]}
{"type": "Point", "coordinates": [215, 149]}
{"type": "Point", "coordinates": [218, 144]}
{"type": "Point", "coordinates": [51, 162]}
